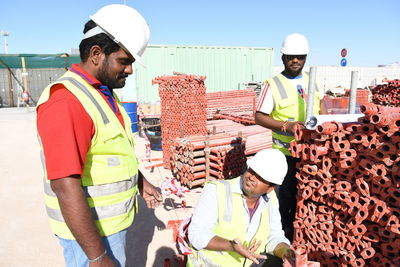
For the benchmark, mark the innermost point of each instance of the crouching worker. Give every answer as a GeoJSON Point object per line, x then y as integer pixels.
{"type": "Point", "coordinates": [237, 222]}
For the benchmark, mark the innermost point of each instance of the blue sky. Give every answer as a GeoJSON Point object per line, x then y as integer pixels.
{"type": "Point", "coordinates": [369, 30]}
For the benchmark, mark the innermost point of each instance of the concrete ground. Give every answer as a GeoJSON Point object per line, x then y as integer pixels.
{"type": "Point", "coordinates": [26, 236]}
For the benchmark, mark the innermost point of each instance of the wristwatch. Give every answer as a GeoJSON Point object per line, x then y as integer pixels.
{"type": "Point", "coordinates": [233, 243]}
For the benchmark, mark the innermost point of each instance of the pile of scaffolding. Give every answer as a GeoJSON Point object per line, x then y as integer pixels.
{"type": "Point", "coordinates": [349, 190]}
{"type": "Point", "coordinates": [232, 105]}
{"type": "Point", "coordinates": [183, 109]}
{"type": "Point", "coordinates": [387, 94]}
{"type": "Point", "coordinates": [221, 154]}
{"type": "Point", "coordinates": [197, 159]}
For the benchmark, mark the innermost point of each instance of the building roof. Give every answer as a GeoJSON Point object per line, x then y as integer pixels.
{"type": "Point", "coordinates": [34, 61]}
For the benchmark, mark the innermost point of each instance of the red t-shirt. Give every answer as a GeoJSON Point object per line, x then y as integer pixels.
{"type": "Point", "coordinates": [66, 129]}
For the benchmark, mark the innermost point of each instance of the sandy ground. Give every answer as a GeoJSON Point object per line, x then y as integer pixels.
{"type": "Point", "coordinates": [27, 239]}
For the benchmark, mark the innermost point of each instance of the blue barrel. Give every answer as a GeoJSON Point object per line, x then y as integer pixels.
{"type": "Point", "coordinates": [154, 136]}
{"type": "Point", "coordinates": [131, 109]}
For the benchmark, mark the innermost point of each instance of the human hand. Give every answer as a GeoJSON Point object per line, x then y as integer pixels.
{"type": "Point", "coordinates": [290, 256]}
{"type": "Point", "coordinates": [293, 125]}
{"type": "Point", "coordinates": [248, 252]}
{"type": "Point", "coordinates": [151, 194]}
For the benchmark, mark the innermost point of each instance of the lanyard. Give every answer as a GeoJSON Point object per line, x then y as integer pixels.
{"type": "Point", "coordinates": [107, 92]}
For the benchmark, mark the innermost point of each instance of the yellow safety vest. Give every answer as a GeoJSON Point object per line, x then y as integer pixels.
{"type": "Point", "coordinates": [231, 224]}
{"type": "Point", "coordinates": [289, 106]}
{"type": "Point", "coordinates": [110, 172]}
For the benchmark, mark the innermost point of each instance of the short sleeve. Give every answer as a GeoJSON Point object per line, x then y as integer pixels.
{"type": "Point", "coordinates": [65, 130]}
{"type": "Point", "coordinates": [265, 100]}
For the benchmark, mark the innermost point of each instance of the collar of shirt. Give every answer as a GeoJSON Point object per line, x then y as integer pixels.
{"type": "Point", "coordinates": [95, 83]}
{"type": "Point", "coordinates": [75, 68]}
{"type": "Point", "coordinates": [293, 78]}
{"type": "Point", "coordinates": [237, 188]}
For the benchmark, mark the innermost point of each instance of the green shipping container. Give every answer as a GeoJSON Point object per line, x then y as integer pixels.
{"type": "Point", "coordinates": [226, 68]}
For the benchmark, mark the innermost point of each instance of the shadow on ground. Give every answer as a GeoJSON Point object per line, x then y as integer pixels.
{"type": "Point", "coordinates": [172, 204]}
{"type": "Point", "coordinates": [139, 236]}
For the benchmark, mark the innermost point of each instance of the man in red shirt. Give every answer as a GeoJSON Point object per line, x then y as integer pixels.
{"type": "Point", "coordinates": [87, 142]}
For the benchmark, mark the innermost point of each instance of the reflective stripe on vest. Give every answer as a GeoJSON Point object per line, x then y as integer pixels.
{"type": "Point", "coordinates": [280, 143]}
{"type": "Point", "coordinates": [282, 90]}
{"type": "Point", "coordinates": [228, 202]}
{"type": "Point", "coordinates": [100, 190]}
{"type": "Point", "coordinates": [280, 87]}
{"type": "Point", "coordinates": [88, 94]}
{"type": "Point", "coordinates": [98, 212]}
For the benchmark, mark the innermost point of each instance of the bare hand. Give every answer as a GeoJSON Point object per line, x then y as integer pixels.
{"type": "Point", "coordinates": [150, 194]}
{"type": "Point", "coordinates": [290, 256]}
{"type": "Point", "coordinates": [291, 126]}
{"type": "Point", "coordinates": [248, 252]}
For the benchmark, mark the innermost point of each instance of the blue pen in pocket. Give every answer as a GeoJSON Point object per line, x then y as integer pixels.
{"type": "Point", "coordinates": [300, 90]}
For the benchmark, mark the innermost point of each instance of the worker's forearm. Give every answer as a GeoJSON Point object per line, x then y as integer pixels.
{"type": "Point", "coordinates": [268, 122]}
{"type": "Point", "coordinates": [77, 215]}
{"type": "Point", "coordinates": [219, 244]}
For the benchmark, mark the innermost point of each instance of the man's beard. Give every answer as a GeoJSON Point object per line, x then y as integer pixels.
{"type": "Point", "coordinates": [109, 81]}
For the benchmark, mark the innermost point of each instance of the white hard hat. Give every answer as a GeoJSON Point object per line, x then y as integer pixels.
{"type": "Point", "coordinates": [295, 44]}
{"type": "Point", "coordinates": [270, 164]}
{"type": "Point", "coordinates": [125, 26]}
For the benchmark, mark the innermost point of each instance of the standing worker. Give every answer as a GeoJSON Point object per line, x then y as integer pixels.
{"type": "Point", "coordinates": [237, 220]}
{"type": "Point", "coordinates": [92, 176]}
{"type": "Point", "coordinates": [282, 104]}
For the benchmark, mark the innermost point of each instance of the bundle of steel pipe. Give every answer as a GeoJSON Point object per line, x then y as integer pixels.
{"type": "Point", "coordinates": [257, 142]}
{"type": "Point", "coordinates": [227, 161]}
{"type": "Point", "coordinates": [387, 94]}
{"type": "Point", "coordinates": [222, 126]}
{"type": "Point", "coordinates": [199, 158]}
{"type": "Point", "coordinates": [257, 137]}
{"type": "Point", "coordinates": [183, 109]}
{"type": "Point", "coordinates": [232, 93]}
{"type": "Point", "coordinates": [232, 101]}
{"type": "Point", "coordinates": [349, 190]}
{"type": "Point", "coordinates": [245, 118]}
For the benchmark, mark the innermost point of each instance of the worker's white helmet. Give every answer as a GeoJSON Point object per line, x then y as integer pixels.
{"type": "Point", "coordinates": [125, 26]}
{"type": "Point", "coordinates": [270, 164]}
{"type": "Point", "coordinates": [295, 44]}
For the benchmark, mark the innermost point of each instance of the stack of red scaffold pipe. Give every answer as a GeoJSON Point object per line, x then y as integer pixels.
{"type": "Point", "coordinates": [257, 137]}
{"type": "Point", "coordinates": [349, 190]}
{"type": "Point", "coordinates": [231, 102]}
{"type": "Point", "coordinates": [197, 159]}
{"type": "Point", "coordinates": [245, 117]}
{"type": "Point", "coordinates": [183, 109]}
{"type": "Point", "coordinates": [387, 94]}
{"type": "Point", "coordinates": [220, 155]}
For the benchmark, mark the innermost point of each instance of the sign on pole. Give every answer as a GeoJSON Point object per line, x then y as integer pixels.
{"type": "Point", "coordinates": [343, 53]}
{"type": "Point", "coordinates": [343, 62]}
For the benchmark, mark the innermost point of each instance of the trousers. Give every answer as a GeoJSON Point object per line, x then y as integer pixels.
{"type": "Point", "coordinates": [114, 244]}
{"type": "Point", "coordinates": [287, 197]}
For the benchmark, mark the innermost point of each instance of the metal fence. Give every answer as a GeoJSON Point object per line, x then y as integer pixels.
{"type": "Point", "coordinates": [35, 80]}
